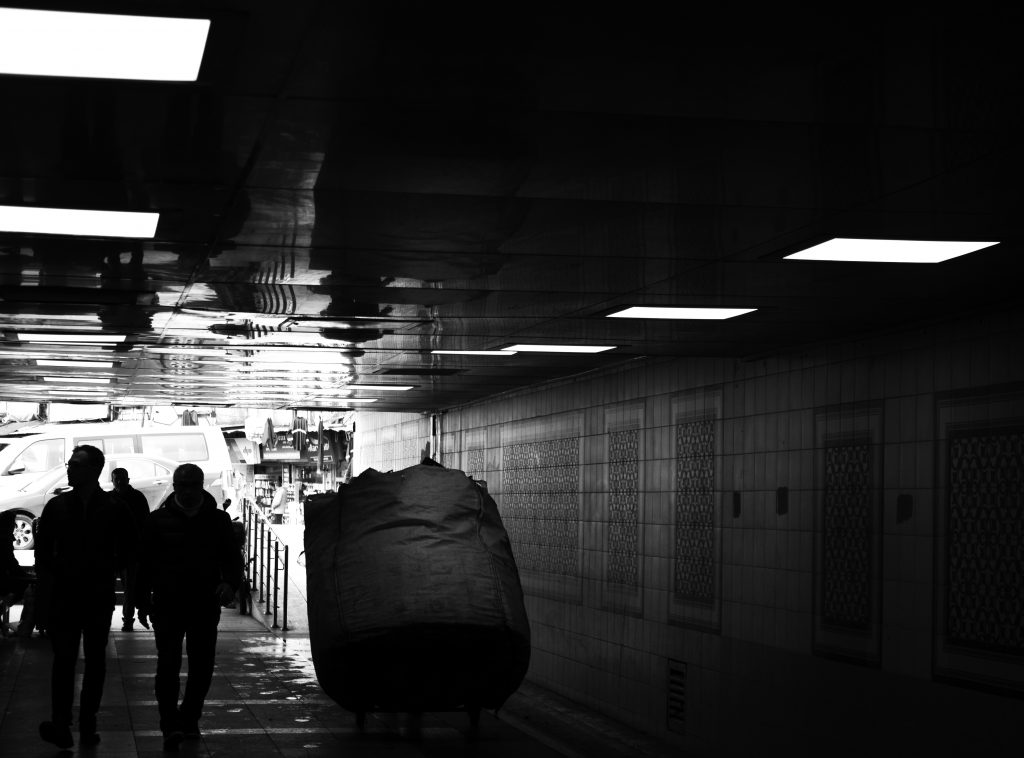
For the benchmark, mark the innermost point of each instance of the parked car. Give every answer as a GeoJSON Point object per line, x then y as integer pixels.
{"type": "Point", "coordinates": [24, 457]}
{"type": "Point", "coordinates": [149, 474]}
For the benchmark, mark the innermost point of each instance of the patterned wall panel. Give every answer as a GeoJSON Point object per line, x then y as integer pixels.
{"type": "Point", "coordinates": [847, 536]}
{"type": "Point", "coordinates": [623, 507]}
{"type": "Point", "coordinates": [474, 453]}
{"type": "Point", "coordinates": [848, 533]}
{"type": "Point", "coordinates": [541, 504]}
{"type": "Point", "coordinates": [475, 463]}
{"type": "Point", "coordinates": [695, 598]}
{"type": "Point", "coordinates": [979, 580]}
{"type": "Point", "coordinates": [539, 500]}
{"type": "Point", "coordinates": [985, 540]}
{"type": "Point", "coordinates": [695, 511]}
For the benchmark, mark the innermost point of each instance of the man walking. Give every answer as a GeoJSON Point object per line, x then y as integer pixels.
{"type": "Point", "coordinates": [138, 506]}
{"type": "Point", "coordinates": [84, 538]}
{"type": "Point", "coordinates": [190, 567]}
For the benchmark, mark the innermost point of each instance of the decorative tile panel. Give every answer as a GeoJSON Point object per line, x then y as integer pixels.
{"type": "Point", "coordinates": [695, 435]}
{"type": "Point", "coordinates": [623, 506]}
{"type": "Point", "coordinates": [846, 536]}
{"type": "Point", "coordinates": [978, 630]}
{"type": "Point", "coordinates": [694, 511]}
{"type": "Point", "coordinates": [540, 504]}
{"type": "Point", "coordinates": [848, 532]}
{"type": "Point", "coordinates": [410, 453]}
{"type": "Point", "coordinates": [475, 463]}
{"type": "Point", "coordinates": [985, 535]}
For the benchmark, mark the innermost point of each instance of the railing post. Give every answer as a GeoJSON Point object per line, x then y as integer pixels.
{"type": "Point", "coordinates": [284, 622]}
{"type": "Point", "coordinates": [266, 567]}
{"type": "Point", "coordinates": [277, 552]}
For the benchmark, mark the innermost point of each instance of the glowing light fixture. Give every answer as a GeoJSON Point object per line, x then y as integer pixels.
{"type": "Point", "coordinates": [203, 351]}
{"type": "Point", "coordinates": [561, 348]}
{"type": "Point", "coordinates": [77, 222]}
{"type": "Point", "coordinates": [100, 45]}
{"type": "Point", "coordinates": [673, 312]}
{"type": "Point", "coordinates": [381, 387]}
{"type": "Point", "coordinates": [75, 364]}
{"type": "Point", "coordinates": [49, 337]}
{"type": "Point", "coordinates": [887, 251]}
{"type": "Point", "coordinates": [77, 379]}
{"type": "Point", "coordinates": [473, 352]}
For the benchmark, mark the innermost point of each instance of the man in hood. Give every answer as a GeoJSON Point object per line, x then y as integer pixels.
{"type": "Point", "coordinates": [190, 566]}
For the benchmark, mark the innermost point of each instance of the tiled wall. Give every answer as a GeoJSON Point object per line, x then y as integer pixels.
{"type": "Point", "coordinates": [800, 552]}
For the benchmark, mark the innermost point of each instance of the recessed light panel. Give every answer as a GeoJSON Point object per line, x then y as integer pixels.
{"type": "Point", "coordinates": [48, 337]}
{"type": "Point", "coordinates": [76, 364]}
{"type": "Point", "coordinates": [561, 348]}
{"type": "Point", "coordinates": [672, 312]}
{"type": "Point", "coordinates": [380, 387]}
{"type": "Point", "coordinates": [77, 222]}
{"type": "Point", "coordinates": [77, 379]}
{"type": "Point", "coordinates": [473, 352]}
{"type": "Point", "coordinates": [101, 46]}
{"type": "Point", "coordinates": [887, 251]}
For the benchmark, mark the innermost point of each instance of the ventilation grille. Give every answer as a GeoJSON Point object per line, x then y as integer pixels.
{"type": "Point", "coordinates": [677, 696]}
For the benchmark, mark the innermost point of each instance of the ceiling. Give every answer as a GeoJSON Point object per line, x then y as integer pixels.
{"type": "Point", "coordinates": [352, 185]}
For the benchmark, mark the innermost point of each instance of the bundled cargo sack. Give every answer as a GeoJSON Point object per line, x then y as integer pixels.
{"type": "Point", "coordinates": [414, 598]}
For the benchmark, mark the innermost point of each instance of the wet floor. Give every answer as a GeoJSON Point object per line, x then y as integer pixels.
{"type": "Point", "coordinates": [264, 701]}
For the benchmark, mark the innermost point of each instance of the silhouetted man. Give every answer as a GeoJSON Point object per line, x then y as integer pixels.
{"type": "Point", "coordinates": [190, 566]}
{"type": "Point", "coordinates": [138, 506]}
{"type": "Point", "coordinates": [84, 538]}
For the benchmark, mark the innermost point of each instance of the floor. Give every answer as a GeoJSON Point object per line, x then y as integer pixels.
{"type": "Point", "coordinates": [265, 701]}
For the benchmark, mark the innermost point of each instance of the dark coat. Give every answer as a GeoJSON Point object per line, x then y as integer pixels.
{"type": "Point", "coordinates": [80, 549]}
{"type": "Point", "coordinates": [184, 558]}
{"type": "Point", "coordinates": [136, 503]}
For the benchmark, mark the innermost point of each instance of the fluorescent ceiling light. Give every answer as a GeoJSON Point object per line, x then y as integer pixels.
{"type": "Point", "coordinates": [54, 337]}
{"type": "Point", "coordinates": [78, 222]}
{"type": "Point", "coordinates": [101, 46]}
{"type": "Point", "coordinates": [473, 352]}
{"type": "Point", "coordinates": [77, 379]}
{"type": "Point", "coordinates": [381, 387]}
{"type": "Point", "coordinates": [673, 312]}
{"type": "Point", "coordinates": [562, 348]}
{"type": "Point", "coordinates": [887, 251]}
{"type": "Point", "coordinates": [76, 364]}
{"type": "Point", "coordinates": [207, 351]}
{"type": "Point", "coordinates": [82, 393]}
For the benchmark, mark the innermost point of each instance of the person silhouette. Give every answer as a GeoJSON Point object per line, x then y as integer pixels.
{"type": "Point", "coordinates": [84, 539]}
{"type": "Point", "coordinates": [190, 567]}
{"type": "Point", "coordinates": [138, 506]}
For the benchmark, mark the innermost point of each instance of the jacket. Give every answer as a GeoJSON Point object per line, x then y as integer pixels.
{"type": "Point", "coordinates": [184, 558]}
{"type": "Point", "coordinates": [80, 549]}
{"type": "Point", "coordinates": [136, 503]}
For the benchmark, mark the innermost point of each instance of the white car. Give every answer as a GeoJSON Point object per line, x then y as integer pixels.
{"type": "Point", "coordinates": [149, 474]}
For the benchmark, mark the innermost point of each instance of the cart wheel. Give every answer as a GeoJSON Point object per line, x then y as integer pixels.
{"type": "Point", "coordinates": [361, 720]}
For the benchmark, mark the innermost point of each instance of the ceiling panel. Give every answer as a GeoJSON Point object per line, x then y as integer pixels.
{"type": "Point", "coordinates": [350, 186]}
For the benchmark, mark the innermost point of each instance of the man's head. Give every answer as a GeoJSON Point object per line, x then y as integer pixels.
{"type": "Point", "coordinates": [119, 478]}
{"type": "Point", "coordinates": [188, 485]}
{"type": "Point", "coordinates": [85, 466]}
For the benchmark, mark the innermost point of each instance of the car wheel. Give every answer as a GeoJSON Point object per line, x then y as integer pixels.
{"type": "Point", "coordinates": [24, 536]}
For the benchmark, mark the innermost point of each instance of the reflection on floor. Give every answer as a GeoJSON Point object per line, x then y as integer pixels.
{"type": "Point", "coordinates": [265, 701]}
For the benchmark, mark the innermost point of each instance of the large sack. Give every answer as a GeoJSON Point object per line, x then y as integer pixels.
{"type": "Point", "coordinates": [414, 599]}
